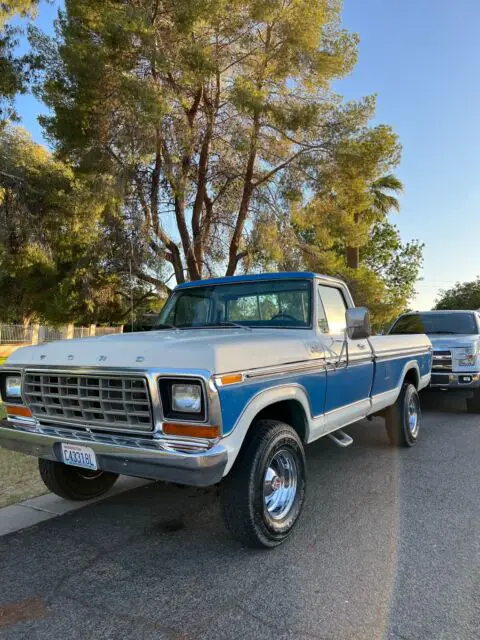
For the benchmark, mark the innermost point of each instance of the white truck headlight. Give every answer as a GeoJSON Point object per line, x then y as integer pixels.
{"type": "Point", "coordinates": [187, 398]}
{"type": "Point", "coordinates": [467, 357]}
{"type": "Point", "coordinates": [13, 387]}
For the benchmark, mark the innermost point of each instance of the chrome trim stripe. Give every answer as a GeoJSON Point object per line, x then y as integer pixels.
{"type": "Point", "coordinates": [405, 352]}
{"type": "Point", "coordinates": [320, 363]}
{"type": "Point", "coordinates": [400, 355]}
{"type": "Point", "coordinates": [293, 367]}
{"type": "Point", "coordinates": [341, 410]}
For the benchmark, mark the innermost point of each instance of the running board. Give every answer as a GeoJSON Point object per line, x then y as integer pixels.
{"type": "Point", "coordinates": [341, 438]}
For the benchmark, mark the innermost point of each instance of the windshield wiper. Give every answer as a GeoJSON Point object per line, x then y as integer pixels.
{"type": "Point", "coordinates": [229, 323]}
{"type": "Point", "coordinates": [214, 325]}
{"type": "Point", "coordinates": [164, 325]}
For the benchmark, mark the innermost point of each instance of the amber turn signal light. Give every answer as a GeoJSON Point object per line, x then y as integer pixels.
{"type": "Point", "coordinates": [18, 411]}
{"type": "Point", "coordinates": [230, 378]}
{"type": "Point", "coordinates": [190, 430]}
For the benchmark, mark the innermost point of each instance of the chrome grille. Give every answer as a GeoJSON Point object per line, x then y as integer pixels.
{"type": "Point", "coordinates": [120, 403]}
{"type": "Point", "coordinates": [442, 361]}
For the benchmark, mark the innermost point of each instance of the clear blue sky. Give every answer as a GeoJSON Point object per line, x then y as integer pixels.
{"type": "Point", "coordinates": [422, 58]}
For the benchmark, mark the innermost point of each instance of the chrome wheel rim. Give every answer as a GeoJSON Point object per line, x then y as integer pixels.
{"type": "Point", "coordinates": [413, 417]}
{"type": "Point", "coordinates": [280, 485]}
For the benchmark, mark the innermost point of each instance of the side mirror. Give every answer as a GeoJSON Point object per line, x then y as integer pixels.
{"type": "Point", "coordinates": [358, 323]}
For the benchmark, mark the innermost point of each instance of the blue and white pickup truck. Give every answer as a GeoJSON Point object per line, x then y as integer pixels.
{"type": "Point", "coordinates": [240, 374]}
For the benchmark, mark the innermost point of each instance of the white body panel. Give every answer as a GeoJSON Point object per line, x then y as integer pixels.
{"type": "Point", "coordinates": [214, 350]}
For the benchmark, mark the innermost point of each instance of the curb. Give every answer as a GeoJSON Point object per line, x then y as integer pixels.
{"type": "Point", "coordinates": [35, 510]}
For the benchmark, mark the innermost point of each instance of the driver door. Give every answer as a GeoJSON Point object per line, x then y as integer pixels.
{"type": "Point", "coordinates": [349, 362]}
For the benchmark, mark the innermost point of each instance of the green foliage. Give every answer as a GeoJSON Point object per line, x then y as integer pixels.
{"type": "Point", "coordinates": [463, 295]}
{"type": "Point", "coordinates": [199, 110]}
{"type": "Point", "coordinates": [12, 68]}
{"type": "Point", "coordinates": [55, 262]}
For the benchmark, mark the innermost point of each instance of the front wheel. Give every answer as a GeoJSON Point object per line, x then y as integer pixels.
{"type": "Point", "coordinates": [263, 495]}
{"type": "Point", "coordinates": [74, 483]}
{"type": "Point", "coordinates": [402, 419]}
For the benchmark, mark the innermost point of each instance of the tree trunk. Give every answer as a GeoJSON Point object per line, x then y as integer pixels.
{"type": "Point", "coordinates": [353, 257]}
{"type": "Point", "coordinates": [245, 202]}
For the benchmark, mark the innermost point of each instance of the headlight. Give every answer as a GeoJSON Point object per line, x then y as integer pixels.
{"type": "Point", "coordinates": [467, 357]}
{"type": "Point", "coordinates": [187, 398]}
{"type": "Point", "coordinates": [13, 387]}
{"type": "Point", "coordinates": [183, 399]}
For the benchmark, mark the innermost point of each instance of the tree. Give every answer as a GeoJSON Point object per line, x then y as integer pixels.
{"type": "Point", "coordinates": [398, 264]}
{"type": "Point", "coordinates": [381, 203]}
{"type": "Point", "coordinates": [200, 111]}
{"type": "Point", "coordinates": [56, 262]}
{"type": "Point", "coordinates": [463, 295]}
{"type": "Point", "coordinates": [12, 68]}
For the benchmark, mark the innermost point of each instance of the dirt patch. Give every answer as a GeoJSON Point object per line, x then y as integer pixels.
{"type": "Point", "coordinates": [29, 609]}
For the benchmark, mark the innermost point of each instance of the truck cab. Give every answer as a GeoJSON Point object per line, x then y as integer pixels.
{"type": "Point", "coordinates": [455, 336]}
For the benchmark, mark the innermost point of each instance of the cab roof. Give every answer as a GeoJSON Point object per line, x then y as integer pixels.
{"type": "Point", "coordinates": [409, 313]}
{"type": "Point", "coordinates": [283, 275]}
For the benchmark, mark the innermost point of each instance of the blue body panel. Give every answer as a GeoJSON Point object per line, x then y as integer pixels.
{"type": "Point", "coordinates": [326, 391]}
{"type": "Point", "coordinates": [388, 372]}
{"type": "Point", "coordinates": [348, 384]}
{"type": "Point", "coordinates": [236, 397]}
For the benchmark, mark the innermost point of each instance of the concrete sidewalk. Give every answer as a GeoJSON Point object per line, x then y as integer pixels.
{"type": "Point", "coordinates": [26, 514]}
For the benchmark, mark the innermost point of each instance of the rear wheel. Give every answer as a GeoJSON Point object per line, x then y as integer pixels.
{"type": "Point", "coordinates": [263, 494]}
{"type": "Point", "coordinates": [74, 483]}
{"type": "Point", "coordinates": [402, 419]}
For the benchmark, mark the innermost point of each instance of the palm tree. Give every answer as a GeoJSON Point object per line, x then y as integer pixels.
{"type": "Point", "coordinates": [383, 201]}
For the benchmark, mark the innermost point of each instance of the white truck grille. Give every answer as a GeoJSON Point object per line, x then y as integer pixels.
{"type": "Point", "coordinates": [442, 361]}
{"type": "Point", "coordinates": [113, 402]}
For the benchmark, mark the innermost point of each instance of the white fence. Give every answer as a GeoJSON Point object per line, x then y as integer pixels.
{"type": "Point", "coordinates": [17, 334]}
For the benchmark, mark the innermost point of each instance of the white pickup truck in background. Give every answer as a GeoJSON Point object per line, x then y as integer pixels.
{"type": "Point", "coordinates": [455, 336]}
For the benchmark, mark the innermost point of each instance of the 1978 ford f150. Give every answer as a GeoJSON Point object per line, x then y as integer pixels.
{"type": "Point", "coordinates": [241, 373]}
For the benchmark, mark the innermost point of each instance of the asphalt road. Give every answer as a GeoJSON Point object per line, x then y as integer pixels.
{"type": "Point", "coordinates": [388, 547]}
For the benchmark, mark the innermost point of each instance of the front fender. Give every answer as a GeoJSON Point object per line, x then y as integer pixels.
{"type": "Point", "coordinates": [233, 442]}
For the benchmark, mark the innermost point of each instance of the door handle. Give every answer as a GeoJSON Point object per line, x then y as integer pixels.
{"type": "Point", "coordinates": [360, 345]}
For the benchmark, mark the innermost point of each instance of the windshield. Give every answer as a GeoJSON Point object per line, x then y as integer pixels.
{"type": "Point", "coordinates": [274, 303]}
{"type": "Point", "coordinates": [432, 323]}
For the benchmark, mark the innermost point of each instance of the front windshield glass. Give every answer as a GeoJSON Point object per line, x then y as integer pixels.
{"type": "Point", "coordinates": [274, 303]}
{"type": "Point", "coordinates": [436, 323]}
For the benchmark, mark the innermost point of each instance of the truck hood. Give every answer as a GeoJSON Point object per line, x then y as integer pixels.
{"type": "Point", "coordinates": [441, 342]}
{"type": "Point", "coordinates": [212, 350]}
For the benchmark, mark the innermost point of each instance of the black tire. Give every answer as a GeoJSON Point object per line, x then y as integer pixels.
{"type": "Point", "coordinates": [400, 429]}
{"type": "Point", "coordinates": [271, 448]}
{"type": "Point", "coordinates": [473, 404]}
{"type": "Point", "coordinates": [74, 483]}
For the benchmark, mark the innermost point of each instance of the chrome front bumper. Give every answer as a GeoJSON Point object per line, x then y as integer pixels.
{"type": "Point", "coordinates": [142, 458]}
{"type": "Point", "coordinates": [455, 380]}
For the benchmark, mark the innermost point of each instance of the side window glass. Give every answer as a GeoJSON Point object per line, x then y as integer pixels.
{"type": "Point", "coordinates": [335, 308]}
{"type": "Point", "coordinates": [321, 317]}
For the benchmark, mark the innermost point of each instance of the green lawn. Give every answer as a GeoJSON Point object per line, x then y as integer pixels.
{"type": "Point", "coordinates": [19, 477]}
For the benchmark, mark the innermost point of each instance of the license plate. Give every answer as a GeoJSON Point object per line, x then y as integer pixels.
{"type": "Point", "coordinates": [77, 456]}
